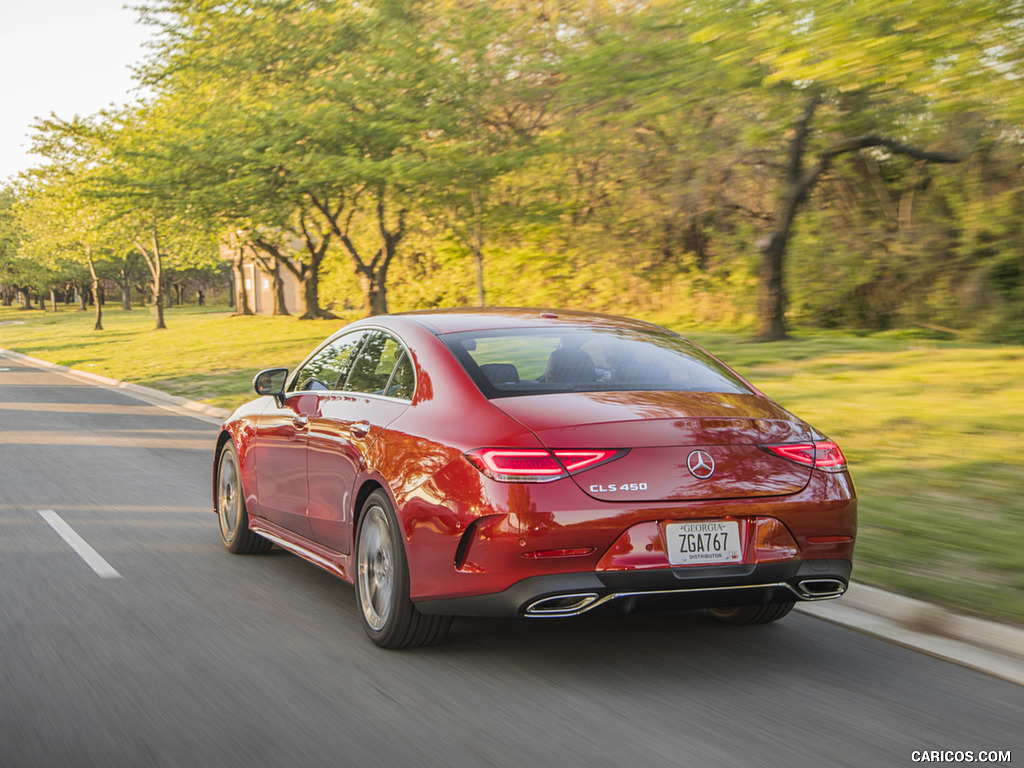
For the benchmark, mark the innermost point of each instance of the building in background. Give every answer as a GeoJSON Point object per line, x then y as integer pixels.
{"type": "Point", "coordinates": [258, 283]}
{"type": "Point", "coordinates": [259, 289]}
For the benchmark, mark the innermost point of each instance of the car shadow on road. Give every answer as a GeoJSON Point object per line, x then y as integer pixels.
{"type": "Point", "coordinates": [683, 645]}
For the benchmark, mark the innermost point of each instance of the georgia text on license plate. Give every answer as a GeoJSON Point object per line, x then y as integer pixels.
{"type": "Point", "coordinates": [708, 542]}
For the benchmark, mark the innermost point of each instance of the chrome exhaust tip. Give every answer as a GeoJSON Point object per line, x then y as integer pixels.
{"type": "Point", "coordinates": [820, 589]}
{"type": "Point", "coordinates": [562, 605]}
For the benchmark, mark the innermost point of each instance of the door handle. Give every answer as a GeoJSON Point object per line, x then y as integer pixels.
{"type": "Point", "coordinates": [360, 429]}
{"type": "Point", "coordinates": [300, 420]}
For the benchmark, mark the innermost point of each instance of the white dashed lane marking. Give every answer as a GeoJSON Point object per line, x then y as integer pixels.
{"type": "Point", "coordinates": [92, 558]}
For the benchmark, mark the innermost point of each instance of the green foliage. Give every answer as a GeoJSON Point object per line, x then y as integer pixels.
{"type": "Point", "coordinates": [632, 157]}
{"type": "Point", "coordinates": [910, 245]}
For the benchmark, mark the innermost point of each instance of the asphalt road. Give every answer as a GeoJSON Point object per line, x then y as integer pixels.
{"type": "Point", "coordinates": [194, 657]}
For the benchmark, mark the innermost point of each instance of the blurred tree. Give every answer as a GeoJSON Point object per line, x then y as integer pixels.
{"type": "Point", "coordinates": [679, 113]}
{"type": "Point", "coordinates": [10, 243]}
{"type": "Point", "coordinates": [298, 131]}
{"type": "Point", "coordinates": [114, 181]}
{"type": "Point", "coordinates": [628, 156]}
{"type": "Point", "coordinates": [872, 77]}
{"type": "Point", "coordinates": [501, 63]}
{"type": "Point", "coordinates": [62, 223]}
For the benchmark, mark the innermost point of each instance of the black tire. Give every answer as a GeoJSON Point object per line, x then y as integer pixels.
{"type": "Point", "coordinates": [231, 512]}
{"type": "Point", "coordinates": [382, 583]}
{"type": "Point", "coordinates": [751, 614]}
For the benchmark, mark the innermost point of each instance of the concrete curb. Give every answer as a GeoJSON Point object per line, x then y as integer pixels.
{"type": "Point", "coordinates": [152, 396]}
{"type": "Point", "coordinates": [987, 646]}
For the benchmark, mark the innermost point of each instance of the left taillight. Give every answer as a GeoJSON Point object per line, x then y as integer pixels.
{"type": "Point", "coordinates": [537, 465]}
{"type": "Point", "coordinates": [823, 454]}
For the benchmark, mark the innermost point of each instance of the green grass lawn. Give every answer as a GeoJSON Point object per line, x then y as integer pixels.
{"type": "Point", "coordinates": [932, 429]}
{"type": "Point", "coordinates": [204, 354]}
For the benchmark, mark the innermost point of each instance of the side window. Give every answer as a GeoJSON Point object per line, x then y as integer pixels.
{"type": "Point", "coordinates": [403, 383]}
{"type": "Point", "coordinates": [372, 368]}
{"type": "Point", "coordinates": [328, 367]}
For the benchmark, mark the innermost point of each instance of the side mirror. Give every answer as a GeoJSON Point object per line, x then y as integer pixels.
{"type": "Point", "coordinates": [271, 382]}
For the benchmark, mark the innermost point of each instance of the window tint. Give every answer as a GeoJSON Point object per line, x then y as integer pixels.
{"type": "Point", "coordinates": [527, 362]}
{"type": "Point", "coordinates": [328, 366]}
{"type": "Point", "coordinates": [403, 383]}
{"type": "Point", "coordinates": [374, 364]}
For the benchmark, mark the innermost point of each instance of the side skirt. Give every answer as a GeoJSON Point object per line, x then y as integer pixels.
{"type": "Point", "coordinates": [331, 561]}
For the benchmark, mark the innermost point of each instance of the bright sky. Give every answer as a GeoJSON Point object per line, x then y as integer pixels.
{"type": "Point", "coordinates": [64, 56]}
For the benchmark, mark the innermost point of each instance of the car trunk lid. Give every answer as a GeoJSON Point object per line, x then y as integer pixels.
{"type": "Point", "coordinates": [681, 445]}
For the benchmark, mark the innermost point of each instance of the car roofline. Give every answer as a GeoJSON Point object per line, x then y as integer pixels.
{"type": "Point", "coordinates": [501, 318]}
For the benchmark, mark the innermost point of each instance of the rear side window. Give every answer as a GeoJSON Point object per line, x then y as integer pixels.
{"type": "Point", "coordinates": [377, 359]}
{"type": "Point", "coordinates": [403, 381]}
{"type": "Point", "coordinates": [518, 362]}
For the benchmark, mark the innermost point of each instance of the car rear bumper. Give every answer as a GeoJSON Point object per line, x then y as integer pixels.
{"type": "Point", "coordinates": [573, 594]}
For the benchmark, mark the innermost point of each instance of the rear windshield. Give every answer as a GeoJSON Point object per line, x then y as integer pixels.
{"type": "Point", "coordinates": [510, 363]}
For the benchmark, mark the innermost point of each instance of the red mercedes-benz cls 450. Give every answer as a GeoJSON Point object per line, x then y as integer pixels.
{"type": "Point", "coordinates": [515, 462]}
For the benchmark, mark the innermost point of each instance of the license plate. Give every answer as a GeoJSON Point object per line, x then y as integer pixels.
{"type": "Point", "coordinates": [711, 542]}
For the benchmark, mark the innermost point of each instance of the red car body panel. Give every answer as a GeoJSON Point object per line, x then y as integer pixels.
{"type": "Point", "coordinates": [522, 519]}
{"type": "Point", "coordinates": [307, 463]}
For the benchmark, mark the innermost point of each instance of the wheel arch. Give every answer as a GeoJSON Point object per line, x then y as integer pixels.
{"type": "Point", "coordinates": [369, 486]}
{"type": "Point", "coordinates": [222, 438]}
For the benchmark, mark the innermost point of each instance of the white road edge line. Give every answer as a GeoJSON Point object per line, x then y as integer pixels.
{"type": "Point", "coordinates": [92, 558]}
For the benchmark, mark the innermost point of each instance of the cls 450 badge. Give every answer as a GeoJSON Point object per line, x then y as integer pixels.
{"type": "Point", "coordinates": [612, 487]}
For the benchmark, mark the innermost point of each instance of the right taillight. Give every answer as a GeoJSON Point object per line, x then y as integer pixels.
{"type": "Point", "coordinates": [537, 465]}
{"type": "Point", "coordinates": [824, 454]}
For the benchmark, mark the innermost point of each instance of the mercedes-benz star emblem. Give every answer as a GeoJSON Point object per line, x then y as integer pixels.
{"type": "Point", "coordinates": [700, 464]}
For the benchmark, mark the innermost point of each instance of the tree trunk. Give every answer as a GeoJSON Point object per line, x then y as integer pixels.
{"type": "Point", "coordinates": [241, 296]}
{"type": "Point", "coordinates": [372, 275]}
{"type": "Point", "coordinates": [477, 245]}
{"type": "Point", "coordinates": [280, 305]}
{"type": "Point", "coordinates": [771, 310]}
{"type": "Point", "coordinates": [158, 299]}
{"type": "Point", "coordinates": [310, 282]}
{"type": "Point", "coordinates": [307, 275]}
{"type": "Point", "coordinates": [124, 282]}
{"type": "Point", "coordinates": [375, 292]}
{"type": "Point", "coordinates": [154, 261]}
{"type": "Point", "coordinates": [478, 263]}
{"type": "Point", "coordinates": [98, 326]}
